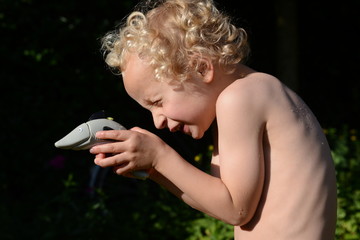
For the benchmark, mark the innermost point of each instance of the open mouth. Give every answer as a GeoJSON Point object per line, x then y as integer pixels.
{"type": "Point", "coordinates": [178, 127]}
{"type": "Point", "coordinates": [181, 128]}
{"type": "Point", "coordinates": [185, 129]}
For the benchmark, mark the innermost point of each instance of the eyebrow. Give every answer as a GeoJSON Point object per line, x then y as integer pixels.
{"type": "Point", "coordinates": [145, 103]}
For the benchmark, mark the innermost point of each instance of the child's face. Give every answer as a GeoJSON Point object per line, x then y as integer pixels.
{"type": "Point", "coordinates": [188, 107]}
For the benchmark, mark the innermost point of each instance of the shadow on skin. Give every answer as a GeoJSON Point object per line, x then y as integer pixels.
{"type": "Point", "coordinates": [256, 218]}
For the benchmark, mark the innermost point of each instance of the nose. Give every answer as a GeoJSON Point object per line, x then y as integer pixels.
{"type": "Point", "coordinates": [159, 120]}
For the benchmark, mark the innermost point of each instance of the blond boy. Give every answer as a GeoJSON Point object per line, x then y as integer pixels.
{"type": "Point", "coordinates": [272, 174]}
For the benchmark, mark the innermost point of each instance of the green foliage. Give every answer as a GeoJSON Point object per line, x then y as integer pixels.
{"type": "Point", "coordinates": [346, 154]}
{"type": "Point", "coordinates": [208, 228]}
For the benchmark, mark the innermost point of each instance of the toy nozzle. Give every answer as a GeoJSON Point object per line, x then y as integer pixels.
{"type": "Point", "coordinates": [74, 138]}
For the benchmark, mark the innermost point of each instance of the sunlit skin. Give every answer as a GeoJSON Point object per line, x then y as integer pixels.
{"type": "Point", "coordinates": [169, 101]}
{"type": "Point", "coordinates": [272, 174]}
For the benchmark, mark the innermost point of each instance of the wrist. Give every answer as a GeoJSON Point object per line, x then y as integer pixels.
{"type": "Point", "coordinates": [166, 160]}
{"type": "Point", "coordinates": [162, 154]}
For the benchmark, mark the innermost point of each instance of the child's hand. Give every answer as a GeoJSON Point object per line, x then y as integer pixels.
{"type": "Point", "coordinates": [135, 149]}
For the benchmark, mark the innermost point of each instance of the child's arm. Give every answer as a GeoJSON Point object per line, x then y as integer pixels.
{"type": "Point", "coordinates": [124, 165]}
{"type": "Point", "coordinates": [234, 196]}
{"type": "Point", "coordinates": [160, 179]}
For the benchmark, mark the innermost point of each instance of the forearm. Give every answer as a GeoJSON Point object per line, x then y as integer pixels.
{"type": "Point", "coordinates": [161, 180]}
{"type": "Point", "coordinates": [199, 189]}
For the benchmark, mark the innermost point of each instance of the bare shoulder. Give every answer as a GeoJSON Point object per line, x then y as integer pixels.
{"type": "Point", "coordinates": [254, 91]}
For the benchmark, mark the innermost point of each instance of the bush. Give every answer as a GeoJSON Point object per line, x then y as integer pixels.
{"type": "Point", "coordinates": [345, 147]}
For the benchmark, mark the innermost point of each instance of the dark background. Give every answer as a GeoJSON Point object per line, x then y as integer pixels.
{"type": "Point", "coordinates": [53, 78]}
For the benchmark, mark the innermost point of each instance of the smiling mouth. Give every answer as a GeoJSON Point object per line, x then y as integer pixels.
{"type": "Point", "coordinates": [181, 128]}
{"type": "Point", "coordinates": [176, 128]}
{"type": "Point", "coordinates": [185, 129]}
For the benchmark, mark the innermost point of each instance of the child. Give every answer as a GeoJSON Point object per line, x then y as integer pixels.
{"type": "Point", "coordinates": [272, 174]}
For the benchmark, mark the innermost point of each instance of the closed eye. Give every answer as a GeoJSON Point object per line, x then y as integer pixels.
{"type": "Point", "coordinates": [156, 103]}
{"type": "Point", "coordinates": [151, 104]}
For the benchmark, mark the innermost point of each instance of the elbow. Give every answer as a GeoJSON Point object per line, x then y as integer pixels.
{"type": "Point", "coordinates": [238, 219]}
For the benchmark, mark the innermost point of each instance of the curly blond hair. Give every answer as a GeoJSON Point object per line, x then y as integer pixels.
{"type": "Point", "coordinates": [174, 36]}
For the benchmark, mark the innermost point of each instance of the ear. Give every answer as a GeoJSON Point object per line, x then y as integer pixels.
{"type": "Point", "coordinates": [206, 70]}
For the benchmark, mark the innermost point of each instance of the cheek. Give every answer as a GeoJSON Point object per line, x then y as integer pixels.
{"type": "Point", "coordinates": [192, 112]}
{"type": "Point", "coordinates": [179, 113]}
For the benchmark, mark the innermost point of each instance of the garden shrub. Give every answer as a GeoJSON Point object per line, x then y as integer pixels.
{"type": "Point", "coordinates": [345, 147]}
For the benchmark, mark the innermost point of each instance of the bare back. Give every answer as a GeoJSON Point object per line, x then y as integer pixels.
{"type": "Point", "coordinates": [298, 199]}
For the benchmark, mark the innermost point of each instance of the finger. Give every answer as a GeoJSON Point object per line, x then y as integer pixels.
{"type": "Point", "coordinates": [115, 168]}
{"type": "Point", "coordinates": [124, 170]}
{"type": "Point", "coordinates": [99, 157]}
{"type": "Point", "coordinates": [116, 160]}
{"type": "Point", "coordinates": [111, 148]}
{"type": "Point", "coordinates": [119, 135]}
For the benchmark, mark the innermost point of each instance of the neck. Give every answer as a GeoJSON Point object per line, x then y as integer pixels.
{"type": "Point", "coordinates": [224, 78]}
